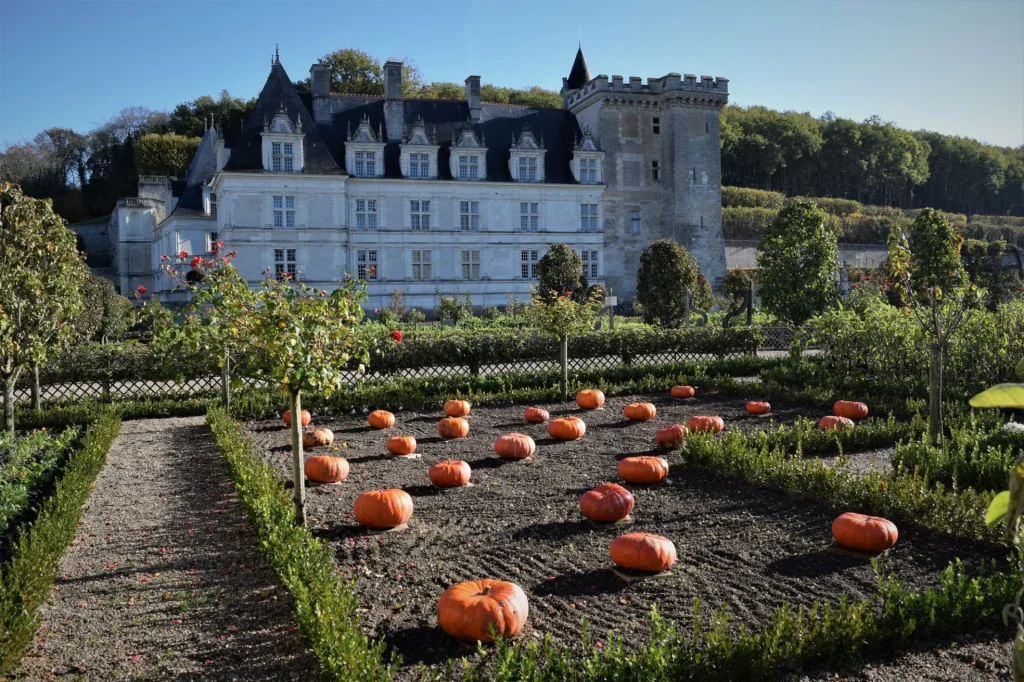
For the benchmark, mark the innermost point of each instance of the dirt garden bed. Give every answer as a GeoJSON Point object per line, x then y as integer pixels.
{"type": "Point", "coordinates": [749, 548]}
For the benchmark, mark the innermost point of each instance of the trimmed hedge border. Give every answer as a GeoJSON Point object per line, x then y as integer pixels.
{"type": "Point", "coordinates": [325, 603]}
{"type": "Point", "coordinates": [26, 579]}
{"type": "Point", "coordinates": [86, 411]}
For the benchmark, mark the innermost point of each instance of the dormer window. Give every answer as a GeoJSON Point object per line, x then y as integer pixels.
{"type": "Point", "coordinates": [588, 171]}
{"type": "Point", "coordinates": [366, 164]}
{"type": "Point", "coordinates": [587, 160]}
{"type": "Point", "coordinates": [469, 167]}
{"type": "Point", "coordinates": [526, 157]}
{"type": "Point", "coordinates": [419, 165]}
{"type": "Point", "coordinates": [419, 153]}
{"type": "Point", "coordinates": [282, 143]}
{"type": "Point", "coordinates": [213, 205]}
{"type": "Point", "coordinates": [527, 170]}
{"type": "Point", "coordinates": [364, 151]}
{"type": "Point", "coordinates": [468, 157]}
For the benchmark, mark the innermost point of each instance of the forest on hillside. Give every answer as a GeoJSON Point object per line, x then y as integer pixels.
{"type": "Point", "coordinates": [872, 162]}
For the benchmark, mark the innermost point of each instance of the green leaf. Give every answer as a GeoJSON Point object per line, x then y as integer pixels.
{"type": "Point", "coordinates": [1002, 395]}
{"type": "Point", "coordinates": [997, 509]}
{"type": "Point", "coordinates": [1020, 368]}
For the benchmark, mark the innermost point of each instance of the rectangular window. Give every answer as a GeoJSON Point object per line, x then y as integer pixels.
{"type": "Point", "coordinates": [588, 171]}
{"type": "Point", "coordinates": [366, 265]}
{"type": "Point", "coordinates": [284, 261]}
{"type": "Point", "coordinates": [282, 157]}
{"type": "Point", "coordinates": [634, 221]}
{"type": "Point", "coordinates": [278, 214]}
{"type": "Point", "coordinates": [655, 171]}
{"type": "Point", "coordinates": [275, 164]}
{"type": "Point", "coordinates": [469, 168]}
{"type": "Point", "coordinates": [527, 169]}
{"type": "Point", "coordinates": [284, 211]}
{"type": "Point", "coordinates": [275, 147]}
{"type": "Point", "coordinates": [421, 265]}
{"type": "Point", "coordinates": [589, 269]}
{"type": "Point", "coordinates": [419, 165]}
{"type": "Point", "coordinates": [529, 263]}
{"type": "Point", "coordinates": [420, 214]}
{"type": "Point", "coordinates": [288, 148]}
{"type": "Point", "coordinates": [371, 164]}
{"type": "Point", "coordinates": [469, 216]}
{"type": "Point", "coordinates": [470, 265]}
{"type": "Point", "coordinates": [588, 217]}
{"type": "Point", "coordinates": [657, 125]}
{"type": "Point", "coordinates": [211, 242]}
{"type": "Point", "coordinates": [366, 214]}
{"type": "Point", "coordinates": [288, 167]}
{"type": "Point", "coordinates": [360, 165]}
{"type": "Point", "coordinates": [213, 205]}
{"type": "Point", "coordinates": [529, 216]}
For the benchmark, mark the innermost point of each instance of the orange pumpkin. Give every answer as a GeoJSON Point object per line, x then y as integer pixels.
{"type": "Point", "coordinates": [287, 418]}
{"type": "Point", "coordinates": [705, 424]}
{"type": "Point", "coordinates": [326, 469]}
{"type": "Point", "coordinates": [453, 427]}
{"type": "Point", "coordinates": [671, 437]}
{"type": "Point", "coordinates": [456, 408]}
{"type": "Point", "coordinates": [682, 392]}
{"type": "Point", "coordinates": [535, 415]}
{"type": "Point", "coordinates": [383, 508]}
{"type": "Point", "coordinates": [643, 552]}
{"type": "Point", "coordinates": [850, 409]}
{"type": "Point", "coordinates": [476, 610]}
{"type": "Point", "coordinates": [643, 469]}
{"type": "Point", "coordinates": [639, 412]}
{"type": "Point", "coordinates": [864, 533]}
{"type": "Point", "coordinates": [403, 446]}
{"type": "Point", "coordinates": [590, 399]}
{"type": "Point", "coordinates": [515, 446]}
{"type": "Point", "coordinates": [832, 423]}
{"type": "Point", "coordinates": [606, 503]}
{"type": "Point", "coordinates": [567, 428]}
{"type": "Point", "coordinates": [317, 438]}
{"type": "Point", "coordinates": [756, 407]}
{"type": "Point", "coordinates": [450, 473]}
{"type": "Point", "coordinates": [381, 419]}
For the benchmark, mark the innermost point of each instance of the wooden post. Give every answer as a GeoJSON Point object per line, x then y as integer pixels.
{"type": "Point", "coordinates": [298, 475]}
{"type": "Point", "coordinates": [36, 397]}
{"type": "Point", "coordinates": [935, 394]}
{"type": "Point", "coordinates": [750, 303]}
{"type": "Point", "coordinates": [611, 311]}
{"type": "Point", "coordinates": [689, 304]}
{"type": "Point", "coordinates": [9, 405]}
{"type": "Point", "coordinates": [225, 382]}
{"type": "Point", "coordinates": [563, 379]}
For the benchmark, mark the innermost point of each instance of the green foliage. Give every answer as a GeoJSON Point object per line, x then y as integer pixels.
{"type": "Point", "coordinates": [746, 223]}
{"type": "Point", "coordinates": [451, 309]}
{"type": "Point", "coordinates": [983, 264]}
{"type": "Point", "coordinates": [703, 296]}
{"type": "Point", "coordinates": [559, 273]}
{"type": "Point", "coordinates": [797, 259]}
{"type": "Point", "coordinates": [190, 119]}
{"type": "Point", "coordinates": [26, 579]}
{"type": "Point", "coordinates": [167, 154]}
{"type": "Point", "coordinates": [836, 207]}
{"type": "Point", "coordinates": [564, 316]}
{"type": "Point", "coordinates": [86, 411]}
{"type": "Point", "coordinates": [27, 464]}
{"type": "Point", "coordinates": [737, 283]}
{"type": "Point", "coordinates": [416, 316]}
{"type": "Point", "coordinates": [667, 272]}
{"type": "Point", "coordinates": [105, 313]}
{"type": "Point", "coordinates": [745, 197]}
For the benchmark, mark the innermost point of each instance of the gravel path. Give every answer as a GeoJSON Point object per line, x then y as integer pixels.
{"type": "Point", "coordinates": [165, 581]}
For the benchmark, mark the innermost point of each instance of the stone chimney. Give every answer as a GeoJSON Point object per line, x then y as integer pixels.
{"type": "Point", "coordinates": [320, 87]}
{"type": "Point", "coordinates": [473, 98]}
{"type": "Point", "coordinates": [393, 80]}
{"type": "Point", "coordinates": [394, 107]}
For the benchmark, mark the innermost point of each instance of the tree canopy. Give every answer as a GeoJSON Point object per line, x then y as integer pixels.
{"type": "Point", "coordinates": [667, 273]}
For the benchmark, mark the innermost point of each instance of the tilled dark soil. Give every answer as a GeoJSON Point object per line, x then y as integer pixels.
{"type": "Point", "coordinates": [747, 548]}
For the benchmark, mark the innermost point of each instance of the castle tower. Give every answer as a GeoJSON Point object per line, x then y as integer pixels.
{"type": "Point", "coordinates": [662, 165]}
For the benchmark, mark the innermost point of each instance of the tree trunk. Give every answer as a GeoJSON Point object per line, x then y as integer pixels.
{"type": "Point", "coordinates": [225, 382]}
{"type": "Point", "coordinates": [935, 394]}
{"type": "Point", "coordinates": [298, 475]}
{"type": "Point", "coordinates": [563, 373]}
{"type": "Point", "coordinates": [36, 399]}
{"type": "Point", "coordinates": [9, 405]}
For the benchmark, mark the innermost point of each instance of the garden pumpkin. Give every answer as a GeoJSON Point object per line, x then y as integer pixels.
{"type": "Point", "coordinates": [383, 508]}
{"type": "Point", "coordinates": [671, 437]}
{"type": "Point", "coordinates": [456, 408]}
{"type": "Point", "coordinates": [535, 415]}
{"type": "Point", "coordinates": [567, 428]}
{"type": "Point", "coordinates": [606, 503]}
{"type": "Point", "coordinates": [403, 446]}
{"type": "Point", "coordinates": [476, 610]}
{"type": "Point", "coordinates": [590, 399]}
{"type": "Point", "coordinates": [287, 418]}
{"type": "Point", "coordinates": [704, 423]}
{"type": "Point", "coordinates": [453, 427]}
{"type": "Point", "coordinates": [450, 473]}
{"type": "Point", "coordinates": [833, 423]}
{"type": "Point", "coordinates": [643, 470]}
{"type": "Point", "coordinates": [850, 409]}
{"type": "Point", "coordinates": [326, 469]}
{"type": "Point", "coordinates": [381, 419]}
{"type": "Point", "coordinates": [682, 392]}
{"type": "Point", "coordinates": [318, 438]}
{"type": "Point", "coordinates": [515, 446]}
{"type": "Point", "coordinates": [758, 407]}
{"type": "Point", "coordinates": [639, 412]}
{"type": "Point", "coordinates": [643, 552]}
{"type": "Point", "coordinates": [864, 533]}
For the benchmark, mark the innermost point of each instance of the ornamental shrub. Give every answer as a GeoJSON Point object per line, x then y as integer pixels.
{"type": "Point", "coordinates": [744, 197]}
{"type": "Point", "coordinates": [703, 296]}
{"type": "Point", "coordinates": [667, 272]}
{"type": "Point", "coordinates": [559, 273]}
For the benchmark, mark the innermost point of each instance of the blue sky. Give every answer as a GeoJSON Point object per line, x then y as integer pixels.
{"type": "Point", "coordinates": [956, 67]}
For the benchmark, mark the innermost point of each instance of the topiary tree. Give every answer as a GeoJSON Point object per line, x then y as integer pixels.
{"type": "Point", "coordinates": [703, 297]}
{"type": "Point", "coordinates": [42, 275]}
{"type": "Point", "coordinates": [563, 317]}
{"type": "Point", "coordinates": [105, 313]}
{"type": "Point", "coordinates": [737, 287]}
{"type": "Point", "coordinates": [667, 272]}
{"type": "Point", "coordinates": [560, 272]}
{"type": "Point", "coordinates": [797, 259]}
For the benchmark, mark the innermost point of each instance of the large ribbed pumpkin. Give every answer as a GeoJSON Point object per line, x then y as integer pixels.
{"type": "Point", "coordinates": [450, 473]}
{"type": "Point", "coordinates": [606, 503]}
{"type": "Point", "coordinates": [515, 446]}
{"type": "Point", "coordinates": [326, 469]}
{"type": "Point", "coordinates": [381, 419]}
{"type": "Point", "coordinates": [287, 418]}
{"type": "Point", "coordinates": [456, 408]}
{"type": "Point", "coordinates": [639, 412]}
{"type": "Point", "coordinates": [864, 533]}
{"type": "Point", "coordinates": [403, 446]}
{"type": "Point", "coordinates": [850, 409]}
{"type": "Point", "coordinates": [567, 428]}
{"type": "Point", "coordinates": [318, 438]}
{"type": "Point", "coordinates": [383, 508]}
{"type": "Point", "coordinates": [682, 392]}
{"type": "Point", "coordinates": [758, 407]}
{"type": "Point", "coordinates": [590, 399]}
{"type": "Point", "coordinates": [453, 427]}
{"type": "Point", "coordinates": [477, 610]}
{"type": "Point", "coordinates": [643, 552]}
{"type": "Point", "coordinates": [706, 424]}
{"type": "Point", "coordinates": [671, 437]}
{"type": "Point", "coordinates": [643, 470]}
{"type": "Point", "coordinates": [833, 423]}
{"type": "Point", "coordinates": [535, 415]}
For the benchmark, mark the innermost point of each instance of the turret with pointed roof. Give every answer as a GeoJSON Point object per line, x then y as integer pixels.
{"type": "Point", "coordinates": [580, 73]}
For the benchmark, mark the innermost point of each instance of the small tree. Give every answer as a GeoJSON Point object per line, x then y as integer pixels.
{"type": "Point", "coordinates": [450, 308]}
{"type": "Point", "coordinates": [798, 259]}
{"type": "Point", "coordinates": [105, 313]}
{"type": "Point", "coordinates": [667, 272]}
{"type": "Point", "coordinates": [563, 317]}
{"type": "Point", "coordinates": [560, 270]}
{"type": "Point", "coordinates": [703, 297]}
{"type": "Point", "coordinates": [41, 279]}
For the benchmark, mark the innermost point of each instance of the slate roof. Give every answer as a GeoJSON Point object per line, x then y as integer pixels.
{"type": "Point", "coordinates": [580, 73]}
{"type": "Point", "coordinates": [202, 168]}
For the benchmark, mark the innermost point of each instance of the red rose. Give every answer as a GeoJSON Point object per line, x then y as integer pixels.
{"type": "Point", "coordinates": [165, 257]}
{"type": "Point", "coordinates": [142, 290]}
{"type": "Point", "coordinates": [220, 244]}
{"type": "Point", "coordinates": [196, 262]}
{"type": "Point", "coordinates": [867, 278]}
{"type": "Point", "coordinates": [397, 336]}
{"type": "Point", "coordinates": [183, 254]}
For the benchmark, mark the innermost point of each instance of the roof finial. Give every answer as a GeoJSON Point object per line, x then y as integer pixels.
{"type": "Point", "coordinates": [277, 54]}
{"type": "Point", "coordinates": [579, 30]}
